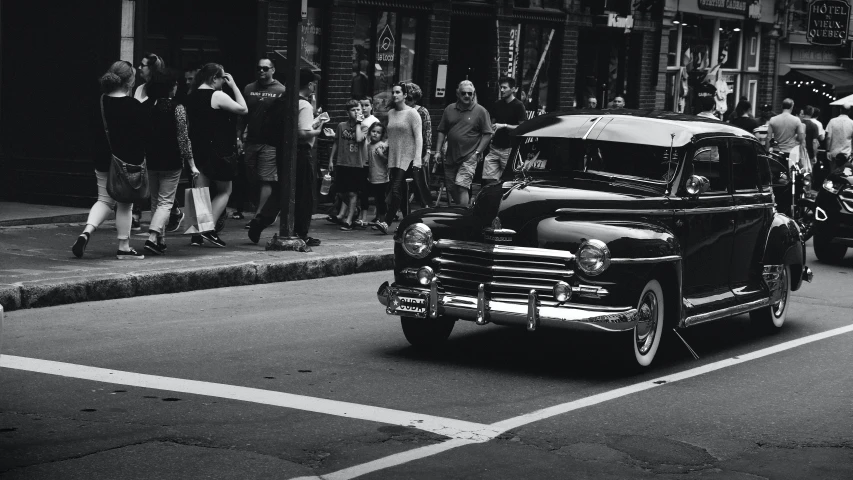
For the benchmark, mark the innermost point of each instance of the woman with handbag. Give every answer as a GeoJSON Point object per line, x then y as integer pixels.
{"type": "Point", "coordinates": [168, 149]}
{"type": "Point", "coordinates": [213, 133]}
{"type": "Point", "coordinates": [120, 142]}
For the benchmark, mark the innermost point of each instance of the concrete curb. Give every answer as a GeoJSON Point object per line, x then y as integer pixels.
{"type": "Point", "coordinates": [111, 287]}
{"type": "Point", "coordinates": [70, 218]}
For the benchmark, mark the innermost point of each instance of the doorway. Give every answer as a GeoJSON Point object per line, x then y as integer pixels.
{"type": "Point", "coordinates": [469, 57]}
{"type": "Point", "coordinates": [601, 69]}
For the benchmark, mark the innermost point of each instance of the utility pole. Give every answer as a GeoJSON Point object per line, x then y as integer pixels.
{"type": "Point", "coordinates": [286, 155]}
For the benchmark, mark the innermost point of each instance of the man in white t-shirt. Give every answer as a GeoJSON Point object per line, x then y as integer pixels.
{"type": "Point", "coordinates": [306, 178]}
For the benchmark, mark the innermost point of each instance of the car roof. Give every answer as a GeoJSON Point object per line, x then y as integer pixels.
{"type": "Point", "coordinates": [645, 127]}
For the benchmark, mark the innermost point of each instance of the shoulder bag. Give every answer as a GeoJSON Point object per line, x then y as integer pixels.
{"type": "Point", "coordinates": [126, 183]}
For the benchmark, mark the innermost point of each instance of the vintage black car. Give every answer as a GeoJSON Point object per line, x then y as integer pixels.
{"type": "Point", "coordinates": [636, 221]}
{"type": "Point", "coordinates": [833, 226]}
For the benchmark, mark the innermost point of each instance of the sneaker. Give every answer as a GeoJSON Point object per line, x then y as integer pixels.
{"type": "Point", "coordinates": [220, 222]}
{"type": "Point", "coordinates": [334, 220]}
{"type": "Point", "coordinates": [154, 248]}
{"type": "Point", "coordinates": [248, 225]}
{"type": "Point", "coordinates": [360, 224]}
{"type": "Point", "coordinates": [311, 241]}
{"type": "Point", "coordinates": [175, 219]}
{"type": "Point", "coordinates": [212, 238]}
{"type": "Point", "coordinates": [196, 241]}
{"type": "Point", "coordinates": [129, 255]}
{"type": "Point", "coordinates": [135, 225]}
{"type": "Point", "coordinates": [382, 227]}
{"type": "Point", "coordinates": [79, 247]}
{"type": "Point", "coordinates": [255, 230]}
{"type": "Point", "coordinates": [347, 227]}
{"type": "Point", "coordinates": [237, 215]}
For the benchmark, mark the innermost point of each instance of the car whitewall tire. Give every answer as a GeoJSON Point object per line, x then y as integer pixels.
{"type": "Point", "coordinates": [773, 316]}
{"type": "Point", "coordinates": [647, 334]}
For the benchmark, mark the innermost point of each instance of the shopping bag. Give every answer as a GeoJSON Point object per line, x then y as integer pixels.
{"type": "Point", "coordinates": [198, 216]}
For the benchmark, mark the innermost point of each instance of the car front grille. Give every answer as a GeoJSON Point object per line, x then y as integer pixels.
{"type": "Point", "coordinates": [507, 273]}
{"type": "Point", "coordinates": [846, 197]}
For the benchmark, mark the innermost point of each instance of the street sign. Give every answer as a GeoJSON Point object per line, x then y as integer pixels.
{"type": "Point", "coordinates": [828, 22]}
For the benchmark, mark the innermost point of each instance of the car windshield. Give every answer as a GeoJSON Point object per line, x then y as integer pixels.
{"type": "Point", "coordinates": [571, 156]}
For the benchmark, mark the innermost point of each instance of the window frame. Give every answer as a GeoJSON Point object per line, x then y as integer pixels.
{"type": "Point", "coordinates": [725, 166]}
{"type": "Point", "coordinates": [750, 146]}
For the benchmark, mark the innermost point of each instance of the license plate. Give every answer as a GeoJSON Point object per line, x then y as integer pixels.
{"type": "Point", "coordinates": [411, 305]}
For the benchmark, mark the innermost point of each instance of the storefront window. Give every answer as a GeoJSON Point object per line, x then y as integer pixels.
{"type": "Point", "coordinates": [730, 35]}
{"type": "Point", "coordinates": [696, 42]}
{"type": "Point", "coordinates": [312, 44]}
{"type": "Point", "coordinates": [361, 52]}
{"type": "Point", "coordinates": [672, 52]}
{"type": "Point", "coordinates": [384, 51]}
{"type": "Point", "coordinates": [537, 45]}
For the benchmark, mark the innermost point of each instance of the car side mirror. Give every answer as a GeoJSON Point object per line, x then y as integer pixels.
{"type": "Point", "coordinates": [697, 185]}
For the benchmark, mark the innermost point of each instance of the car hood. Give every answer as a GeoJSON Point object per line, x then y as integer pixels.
{"type": "Point", "coordinates": [550, 214]}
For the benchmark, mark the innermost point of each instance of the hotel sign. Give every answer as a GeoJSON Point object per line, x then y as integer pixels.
{"type": "Point", "coordinates": [738, 7]}
{"type": "Point", "coordinates": [828, 22]}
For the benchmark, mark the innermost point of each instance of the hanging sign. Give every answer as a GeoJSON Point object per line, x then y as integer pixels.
{"type": "Point", "coordinates": [737, 7]}
{"type": "Point", "coordinates": [828, 22]}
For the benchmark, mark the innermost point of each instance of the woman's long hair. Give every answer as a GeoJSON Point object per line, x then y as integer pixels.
{"type": "Point", "coordinates": [207, 74]}
{"type": "Point", "coordinates": [121, 74]}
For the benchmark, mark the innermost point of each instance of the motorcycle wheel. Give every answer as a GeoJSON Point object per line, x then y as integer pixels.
{"type": "Point", "coordinates": [805, 219]}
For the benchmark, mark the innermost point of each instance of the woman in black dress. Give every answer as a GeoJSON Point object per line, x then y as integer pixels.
{"type": "Point", "coordinates": [128, 126]}
{"type": "Point", "coordinates": [213, 133]}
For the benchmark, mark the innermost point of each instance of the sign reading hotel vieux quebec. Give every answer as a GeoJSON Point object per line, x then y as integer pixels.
{"type": "Point", "coordinates": [828, 21]}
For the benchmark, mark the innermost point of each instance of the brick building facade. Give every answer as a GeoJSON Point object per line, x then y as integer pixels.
{"type": "Point", "coordinates": [559, 51]}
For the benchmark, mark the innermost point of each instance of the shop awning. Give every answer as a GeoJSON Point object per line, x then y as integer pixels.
{"type": "Point", "coordinates": [841, 80]}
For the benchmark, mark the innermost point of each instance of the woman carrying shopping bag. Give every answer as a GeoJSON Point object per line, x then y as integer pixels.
{"type": "Point", "coordinates": [123, 135]}
{"type": "Point", "coordinates": [213, 133]}
{"type": "Point", "coordinates": [168, 149]}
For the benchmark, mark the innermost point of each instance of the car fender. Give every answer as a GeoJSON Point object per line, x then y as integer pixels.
{"type": "Point", "coordinates": [637, 249]}
{"type": "Point", "coordinates": [785, 246]}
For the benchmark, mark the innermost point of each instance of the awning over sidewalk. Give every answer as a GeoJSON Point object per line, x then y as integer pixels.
{"type": "Point", "coordinates": [841, 80]}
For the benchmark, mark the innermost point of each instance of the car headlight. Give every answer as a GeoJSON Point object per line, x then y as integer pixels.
{"type": "Point", "coordinates": [593, 257]}
{"type": "Point", "coordinates": [831, 187]}
{"type": "Point", "coordinates": [417, 240]}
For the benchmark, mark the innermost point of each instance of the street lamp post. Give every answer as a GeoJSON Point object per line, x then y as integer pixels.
{"type": "Point", "coordinates": [286, 156]}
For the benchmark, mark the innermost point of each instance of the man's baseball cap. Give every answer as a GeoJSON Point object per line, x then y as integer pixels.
{"type": "Point", "coordinates": [306, 76]}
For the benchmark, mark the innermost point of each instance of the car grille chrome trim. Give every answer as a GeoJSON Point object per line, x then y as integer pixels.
{"type": "Point", "coordinates": [503, 270]}
{"type": "Point", "coordinates": [846, 197]}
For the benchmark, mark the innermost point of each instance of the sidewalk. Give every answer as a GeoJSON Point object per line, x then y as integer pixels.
{"type": "Point", "coordinates": [37, 268]}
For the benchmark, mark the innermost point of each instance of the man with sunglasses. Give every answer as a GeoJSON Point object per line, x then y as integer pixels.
{"type": "Point", "coordinates": [468, 130]}
{"type": "Point", "coordinates": [255, 136]}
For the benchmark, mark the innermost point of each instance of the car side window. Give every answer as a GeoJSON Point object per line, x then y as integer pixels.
{"type": "Point", "coordinates": [708, 162]}
{"type": "Point", "coordinates": [744, 166]}
{"type": "Point", "coordinates": [765, 178]}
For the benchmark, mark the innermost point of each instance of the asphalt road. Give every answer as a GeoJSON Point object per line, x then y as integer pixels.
{"type": "Point", "coordinates": [257, 366]}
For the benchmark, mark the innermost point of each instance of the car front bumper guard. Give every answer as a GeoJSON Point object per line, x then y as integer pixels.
{"type": "Point", "coordinates": [428, 303]}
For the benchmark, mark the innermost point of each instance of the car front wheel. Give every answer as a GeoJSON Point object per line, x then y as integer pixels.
{"type": "Point", "coordinates": [427, 333]}
{"type": "Point", "coordinates": [773, 316]}
{"type": "Point", "coordinates": [649, 330]}
{"type": "Point", "coordinates": [828, 252]}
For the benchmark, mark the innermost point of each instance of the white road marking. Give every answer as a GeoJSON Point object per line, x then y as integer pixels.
{"type": "Point", "coordinates": [510, 423]}
{"type": "Point", "coordinates": [462, 432]}
{"type": "Point", "coordinates": [458, 429]}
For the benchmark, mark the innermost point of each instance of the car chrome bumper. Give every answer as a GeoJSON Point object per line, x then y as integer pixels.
{"type": "Point", "coordinates": [428, 303]}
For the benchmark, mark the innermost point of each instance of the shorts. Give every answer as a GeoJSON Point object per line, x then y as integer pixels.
{"type": "Point", "coordinates": [349, 179]}
{"type": "Point", "coordinates": [460, 173]}
{"type": "Point", "coordinates": [260, 158]}
{"type": "Point", "coordinates": [495, 163]}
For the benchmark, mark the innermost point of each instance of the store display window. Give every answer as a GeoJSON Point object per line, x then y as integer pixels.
{"type": "Point", "coordinates": [384, 53]}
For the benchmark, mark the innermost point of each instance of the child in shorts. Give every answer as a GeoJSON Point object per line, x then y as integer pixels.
{"type": "Point", "coordinates": [349, 174]}
{"type": "Point", "coordinates": [377, 169]}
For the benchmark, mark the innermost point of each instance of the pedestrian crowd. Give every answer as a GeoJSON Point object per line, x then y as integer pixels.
{"type": "Point", "coordinates": [226, 140]}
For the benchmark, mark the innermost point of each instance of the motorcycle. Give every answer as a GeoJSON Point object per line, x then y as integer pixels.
{"type": "Point", "coordinates": [796, 198]}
